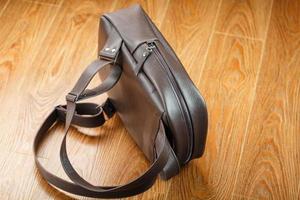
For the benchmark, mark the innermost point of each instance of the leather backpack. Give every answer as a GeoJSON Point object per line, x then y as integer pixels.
{"type": "Point", "coordinates": [148, 89]}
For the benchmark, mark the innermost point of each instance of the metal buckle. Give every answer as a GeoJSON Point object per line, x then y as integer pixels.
{"type": "Point", "coordinates": [71, 97]}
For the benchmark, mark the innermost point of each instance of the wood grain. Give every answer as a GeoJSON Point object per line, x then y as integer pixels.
{"type": "Point", "coordinates": [3, 5]}
{"type": "Point", "coordinates": [248, 18]}
{"type": "Point", "coordinates": [247, 71]}
{"type": "Point", "coordinates": [46, 2]}
{"type": "Point", "coordinates": [228, 84]}
{"type": "Point", "coordinates": [12, 186]}
{"type": "Point", "coordinates": [20, 45]}
{"type": "Point", "coordinates": [187, 27]}
{"type": "Point", "coordinates": [270, 163]}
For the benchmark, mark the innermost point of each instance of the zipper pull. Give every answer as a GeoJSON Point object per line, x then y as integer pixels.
{"type": "Point", "coordinates": [147, 51]}
{"type": "Point", "coordinates": [150, 46]}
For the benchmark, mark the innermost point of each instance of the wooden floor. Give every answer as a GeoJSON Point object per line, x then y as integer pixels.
{"type": "Point", "coordinates": [243, 55]}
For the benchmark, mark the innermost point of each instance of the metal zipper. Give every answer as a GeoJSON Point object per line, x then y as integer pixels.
{"type": "Point", "coordinates": [151, 47]}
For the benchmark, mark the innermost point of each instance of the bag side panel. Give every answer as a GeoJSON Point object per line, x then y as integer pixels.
{"type": "Point", "coordinates": [194, 100]}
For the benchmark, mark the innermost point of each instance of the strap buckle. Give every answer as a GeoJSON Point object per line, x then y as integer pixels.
{"type": "Point", "coordinates": [71, 97]}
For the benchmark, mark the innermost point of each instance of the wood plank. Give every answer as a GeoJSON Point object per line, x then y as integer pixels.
{"type": "Point", "coordinates": [270, 163]}
{"type": "Point", "coordinates": [15, 182]}
{"type": "Point", "coordinates": [228, 85]}
{"type": "Point", "coordinates": [20, 180]}
{"type": "Point", "coordinates": [248, 18]}
{"type": "Point", "coordinates": [187, 27]}
{"type": "Point", "coordinates": [21, 39]}
{"type": "Point", "coordinates": [3, 5]}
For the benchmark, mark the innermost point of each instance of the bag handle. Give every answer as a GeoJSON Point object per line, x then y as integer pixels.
{"type": "Point", "coordinates": [67, 113]}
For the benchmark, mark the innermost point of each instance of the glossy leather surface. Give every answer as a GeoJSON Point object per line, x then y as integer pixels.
{"type": "Point", "coordinates": [149, 93]}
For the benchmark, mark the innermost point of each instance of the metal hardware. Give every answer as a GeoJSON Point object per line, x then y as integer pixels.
{"type": "Point", "coordinates": [150, 46]}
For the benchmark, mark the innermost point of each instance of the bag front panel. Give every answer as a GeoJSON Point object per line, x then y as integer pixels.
{"type": "Point", "coordinates": [133, 104]}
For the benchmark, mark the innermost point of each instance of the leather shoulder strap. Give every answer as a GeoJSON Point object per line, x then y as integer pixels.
{"type": "Point", "coordinates": [67, 113]}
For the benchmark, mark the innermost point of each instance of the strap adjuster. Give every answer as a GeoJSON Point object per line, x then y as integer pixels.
{"type": "Point", "coordinates": [71, 97]}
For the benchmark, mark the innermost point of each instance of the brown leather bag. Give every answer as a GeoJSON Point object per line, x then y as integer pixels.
{"type": "Point", "coordinates": [151, 92]}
